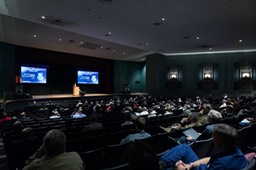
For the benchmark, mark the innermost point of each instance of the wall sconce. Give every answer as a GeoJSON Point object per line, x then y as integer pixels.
{"type": "Point", "coordinates": [174, 76]}
{"type": "Point", "coordinates": [208, 71]}
{"type": "Point", "coordinates": [207, 75]}
{"type": "Point", "coordinates": [246, 75]}
{"type": "Point", "coordinates": [246, 70]}
{"type": "Point", "coordinates": [174, 72]}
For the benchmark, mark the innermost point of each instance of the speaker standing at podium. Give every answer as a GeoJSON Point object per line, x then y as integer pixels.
{"type": "Point", "coordinates": [82, 93]}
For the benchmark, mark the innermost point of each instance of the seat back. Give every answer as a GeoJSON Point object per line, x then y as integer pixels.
{"type": "Point", "coordinates": [92, 159]}
{"type": "Point", "coordinates": [203, 148]}
{"type": "Point", "coordinates": [116, 155]}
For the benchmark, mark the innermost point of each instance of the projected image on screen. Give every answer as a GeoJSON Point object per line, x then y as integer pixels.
{"type": "Point", "coordinates": [87, 77]}
{"type": "Point", "coordinates": [33, 75]}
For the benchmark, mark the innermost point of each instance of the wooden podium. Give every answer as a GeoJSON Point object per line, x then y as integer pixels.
{"type": "Point", "coordinates": [76, 90]}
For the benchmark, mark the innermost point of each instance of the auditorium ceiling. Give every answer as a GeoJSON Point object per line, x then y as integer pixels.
{"type": "Point", "coordinates": [130, 29]}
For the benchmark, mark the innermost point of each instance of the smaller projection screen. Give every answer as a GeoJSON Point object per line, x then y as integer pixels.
{"type": "Point", "coordinates": [87, 77]}
{"type": "Point", "coordinates": [36, 75]}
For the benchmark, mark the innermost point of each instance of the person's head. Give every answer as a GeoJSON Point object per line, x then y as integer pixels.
{"type": "Point", "coordinates": [54, 142]}
{"type": "Point", "coordinates": [214, 116]}
{"type": "Point", "coordinates": [142, 156]}
{"type": "Point", "coordinates": [140, 123]}
{"type": "Point", "coordinates": [193, 116]}
{"type": "Point", "coordinates": [23, 114]}
{"type": "Point", "coordinates": [27, 133]}
{"type": "Point", "coordinates": [206, 108]}
{"type": "Point", "coordinates": [224, 136]}
{"type": "Point", "coordinates": [17, 125]}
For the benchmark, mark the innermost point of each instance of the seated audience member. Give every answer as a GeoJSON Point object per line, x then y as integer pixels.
{"type": "Point", "coordinates": [52, 155]}
{"type": "Point", "coordinates": [203, 114]}
{"type": "Point", "coordinates": [214, 117]}
{"type": "Point", "coordinates": [185, 123]}
{"type": "Point", "coordinates": [55, 115]}
{"type": "Point", "coordinates": [140, 125]}
{"type": "Point", "coordinates": [93, 125]}
{"type": "Point", "coordinates": [228, 157]}
{"type": "Point", "coordinates": [19, 151]}
{"type": "Point", "coordinates": [142, 156]}
{"type": "Point", "coordinates": [24, 117]}
{"type": "Point", "coordinates": [128, 119]}
{"type": "Point", "coordinates": [4, 117]}
{"type": "Point", "coordinates": [78, 114]}
{"type": "Point", "coordinates": [152, 113]}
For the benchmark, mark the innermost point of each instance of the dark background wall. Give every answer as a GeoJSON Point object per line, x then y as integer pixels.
{"type": "Point", "coordinates": [226, 69]}
{"type": "Point", "coordinates": [7, 68]}
{"type": "Point", "coordinates": [61, 70]}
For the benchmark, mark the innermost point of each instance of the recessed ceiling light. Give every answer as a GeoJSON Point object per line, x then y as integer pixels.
{"type": "Point", "coordinates": [163, 19]}
{"type": "Point", "coordinates": [43, 17]}
{"type": "Point", "coordinates": [124, 53]}
{"type": "Point", "coordinates": [109, 32]}
{"type": "Point", "coordinates": [81, 42]}
{"type": "Point", "coordinates": [102, 46]}
{"type": "Point", "coordinates": [34, 35]}
{"type": "Point", "coordinates": [240, 41]}
{"type": "Point", "coordinates": [210, 49]}
{"type": "Point", "coordinates": [60, 39]}
{"type": "Point", "coordinates": [114, 50]}
{"type": "Point", "coordinates": [147, 43]}
{"type": "Point", "coordinates": [197, 38]}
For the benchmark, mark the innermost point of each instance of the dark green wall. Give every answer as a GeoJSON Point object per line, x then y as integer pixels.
{"type": "Point", "coordinates": [226, 73]}
{"type": "Point", "coordinates": [131, 73]}
{"type": "Point", "coordinates": [7, 68]}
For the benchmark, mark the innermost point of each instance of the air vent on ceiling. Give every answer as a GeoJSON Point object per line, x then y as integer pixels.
{"type": "Point", "coordinates": [89, 45]}
{"type": "Point", "coordinates": [106, 1]}
{"type": "Point", "coordinates": [205, 46]}
{"type": "Point", "coordinates": [57, 21]}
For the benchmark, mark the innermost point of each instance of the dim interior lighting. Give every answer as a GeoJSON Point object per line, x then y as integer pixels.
{"type": "Point", "coordinates": [240, 41]}
{"type": "Point", "coordinates": [163, 19]}
{"type": "Point", "coordinates": [114, 50]}
{"type": "Point", "coordinates": [81, 42]}
{"type": "Point", "coordinates": [147, 43]}
{"type": "Point", "coordinates": [34, 35]}
{"type": "Point", "coordinates": [102, 46]}
{"type": "Point", "coordinates": [210, 49]}
{"type": "Point", "coordinates": [197, 38]}
{"type": "Point", "coordinates": [124, 53]}
{"type": "Point", "coordinates": [109, 33]}
{"type": "Point", "coordinates": [43, 17]}
{"type": "Point", "coordinates": [207, 75]}
{"type": "Point", "coordinates": [60, 39]}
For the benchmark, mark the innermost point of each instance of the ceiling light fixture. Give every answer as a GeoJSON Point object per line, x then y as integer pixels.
{"type": "Point", "coordinates": [163, 19]}
{"type": "Point", "coordinates": [60, 39]}
{"type": "Point", "coordinates": [197, 38]}
{"type": "Point", "coordinates": [34, 35]}
{"type": "Point", "coordinates": [43, 17]}
{"type": "Point", "coordinates": [147, 43]}
{"type": "Point", "coordinates": [240, 41]}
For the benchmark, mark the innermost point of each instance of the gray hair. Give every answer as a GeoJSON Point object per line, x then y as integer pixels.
{"type": "Point", "coordinates": [215, 115]}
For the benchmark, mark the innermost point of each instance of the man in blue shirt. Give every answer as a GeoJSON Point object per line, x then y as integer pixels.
{"type": "Point", "coordinates": [140, 125]}
{"type": "Point", "coordinates": [229, 157]}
